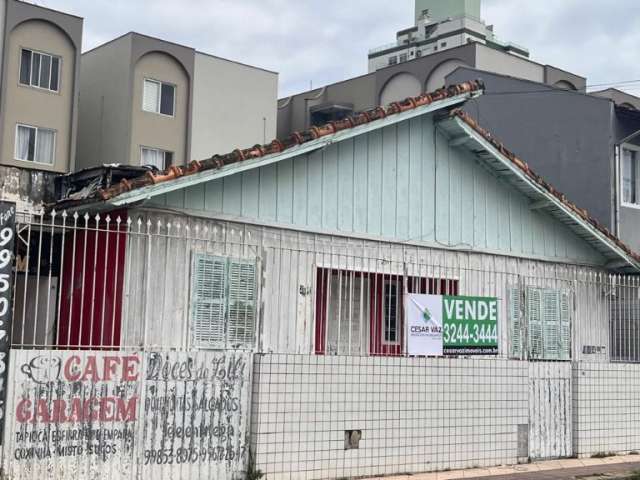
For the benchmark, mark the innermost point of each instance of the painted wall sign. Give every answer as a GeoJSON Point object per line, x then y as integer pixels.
{"type": "Point", "coordinates": [78, 414]}
{"type": "Point", "coordinates": [441, 324]}
{"type": "Point", "coordinates": [7, 239]}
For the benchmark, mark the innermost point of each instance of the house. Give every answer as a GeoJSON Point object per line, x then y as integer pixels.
{"type": "Point", "coordinates": [449, 36]}
{"type": "Point", "coordinates": [305, 251]}
{"type": "Point", "coordinates": [39, 65]}
{"type": "Point", "coordinates": [584, 144]}
{"type": "Point", "coordinates": [147, 101]}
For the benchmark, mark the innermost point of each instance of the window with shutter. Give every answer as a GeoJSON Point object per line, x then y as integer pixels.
{"type": "Point", "coordinates": [223, 310]}
{"type": "Point", "coordinates": [565, 326]}
{"type": "Point", "coordinates": [534, 322]}
{"type": "Point", "coordinates": [515, 322]}
{"type": "Point", "coordinates": [241, 304]}
{"type": "Point", "coordinates": [551, 328]}
{"type": "Point", "coordinates": [151, 96]}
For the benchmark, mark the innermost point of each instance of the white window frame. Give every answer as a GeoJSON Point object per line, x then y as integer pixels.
{"type": "Point", "coordinates": [635, 148]}
{"type": "Point", "coordinates": [155, 149]}
{"type": "Point", "coordinates": [35, 144]}
{"type": "Point", "coordinates": [160, 83]}
{"type": "Point", "coordinates": [31, 85]}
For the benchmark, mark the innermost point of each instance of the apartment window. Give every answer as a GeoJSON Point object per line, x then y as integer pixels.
{"type": "Point", "coordinates": [39, 70]}
{"type": "Point", "coordinates": [630, 180]}
{"type": "Point", "coordinates": [223, 302]}
{"type": "Point", "coordinates": [540, 323]}
{"type": "Point", "coordinates": [403, 58]}
{"type": "Point", "coordinates": [393, 60]}
{"type": "Point", "coordinates": [34, 144]}
{"type": "Point", "coordinates": [161, 159]}
{"type": "Point", "coordinates": [159, 97]}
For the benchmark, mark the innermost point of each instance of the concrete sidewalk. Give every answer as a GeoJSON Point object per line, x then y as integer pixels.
{"type": "Point", "coordinates": [609, 467]}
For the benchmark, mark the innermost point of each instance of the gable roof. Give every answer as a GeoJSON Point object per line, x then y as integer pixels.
{"type": "Point", "coordinates": [460, 127]}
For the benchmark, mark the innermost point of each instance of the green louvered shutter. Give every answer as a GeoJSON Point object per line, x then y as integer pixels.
{"type": "Point", "coordinates": [565, 326]}
{"type": "Point", "coordinates": [241, 304]}
{"type": "Point", "coordinates": [208, 301]}
{"type": "Point", "coordinates": [534, 322]}
{"type": "Point", "coordinates": [551, 324]}
{"type": "Point", "coordinates": [514, 309]}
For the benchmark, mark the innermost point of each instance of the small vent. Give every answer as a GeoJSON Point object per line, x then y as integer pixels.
{"type": "Point", "coordinates": [352, 439]}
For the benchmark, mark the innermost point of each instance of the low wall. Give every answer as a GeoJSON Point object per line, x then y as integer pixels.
{"type": "Point", "coordinates": [89, 415]}
{"type": "Point", "coordinates": [414, 414]}
{"type": "Point", "coordinates": [606, 408]}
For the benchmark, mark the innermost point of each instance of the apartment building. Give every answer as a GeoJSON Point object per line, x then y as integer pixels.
{"type": "Point", "coordinates": [39, 74]}
{"type": "Point", "coordinates": [447, 35]}
{"type": "Point", "coordinates": [147, 101]}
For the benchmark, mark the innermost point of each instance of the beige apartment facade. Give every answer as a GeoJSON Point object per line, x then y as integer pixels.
{"type": "Point", "coordinates": [39, 72]}
{"type": "Point", "coordinates": [146, 101]}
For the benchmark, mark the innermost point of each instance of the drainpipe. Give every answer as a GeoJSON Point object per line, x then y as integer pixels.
{"type": "Point", "coordinates": [616, 188]}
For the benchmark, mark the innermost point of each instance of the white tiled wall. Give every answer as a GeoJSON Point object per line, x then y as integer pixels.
{"type": "Point", "coordinates": [606, 408]}
{"type": "Point", "coordinates": [416, 415]}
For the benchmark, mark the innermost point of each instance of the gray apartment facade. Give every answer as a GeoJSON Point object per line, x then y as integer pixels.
{"type": "Point", "coordinates": [39, 73]}
{"type": "Point", "coordinates": [146, 101]}
{"type": "Point", "coordinates": [587, 145]}
{"type": "Point", "coordinates": [410, 78]}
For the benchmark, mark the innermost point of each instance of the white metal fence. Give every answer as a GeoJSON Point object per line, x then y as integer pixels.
{"type": "Point", "coordinates": [335, 392]}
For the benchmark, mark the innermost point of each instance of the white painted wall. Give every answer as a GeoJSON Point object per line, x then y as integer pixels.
{"type": "Point", "coordinates": [493, 60]}
{"type": "Point", "coordinates": [234, 106]}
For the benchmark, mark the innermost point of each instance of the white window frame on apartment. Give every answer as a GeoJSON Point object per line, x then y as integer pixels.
{"type": "Point", "coordinates": [159, 150]}
{"type": "Point", "coordinates": [35, 145]}
{"type": "Point", "coordinates": [160, 83]}
{"type": "Point", "coordinates": [31, 77]}
{"type": "Point", "coordinates": [636, 158]}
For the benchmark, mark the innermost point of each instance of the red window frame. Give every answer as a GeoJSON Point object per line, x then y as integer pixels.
{"type": "Point", "coordinates": [377, 282]}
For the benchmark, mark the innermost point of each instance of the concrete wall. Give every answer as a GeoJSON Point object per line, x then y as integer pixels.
{"type": "Point", "coordinates": [415, 415]}
{"type": "Point", "coordinates": [493, 60]}
{"type": "Point", "coordinates": [149, 129]}
{"type": "Point", "coordinates": [606, 408]}
{"type": "Point", "coordinates": [234, 106]}
{"type": "Point", "coordinates": [105, 112]}
{"type": "Point", "coordinates": [39, 107]}
{"type": "Point", "coordinates": [566, 137]}
{"type": "Point", "coordinates": [178, 415]}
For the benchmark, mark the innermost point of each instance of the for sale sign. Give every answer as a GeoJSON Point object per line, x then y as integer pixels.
{"type": "Point", "coordinates": [440, 324]}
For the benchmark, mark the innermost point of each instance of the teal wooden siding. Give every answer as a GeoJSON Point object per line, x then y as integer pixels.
{"type": "Point", "coordinates": [403, 183]}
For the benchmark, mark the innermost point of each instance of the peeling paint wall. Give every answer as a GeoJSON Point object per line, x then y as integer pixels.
{"type": "Point", "coordinates": [124, 415]}
{"type": "Point", "coordinates": [27, 188]}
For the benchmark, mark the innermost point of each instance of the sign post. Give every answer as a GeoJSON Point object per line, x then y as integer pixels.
{"type": "Point", "coordinates": [444, 325]}
{"type": "Point", "coordinates": [7, 239]}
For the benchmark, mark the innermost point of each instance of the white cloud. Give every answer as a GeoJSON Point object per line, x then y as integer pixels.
{"type": "Point", "coordinates": [327, 41]}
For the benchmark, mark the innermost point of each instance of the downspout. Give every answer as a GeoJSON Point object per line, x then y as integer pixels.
{"type": "Point", "coordinates": [616, 188]}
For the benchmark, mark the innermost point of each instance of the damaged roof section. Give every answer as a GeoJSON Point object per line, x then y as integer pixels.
{"type": "Point", "coordinates": [296, 139]}
{"type": "Point", "coordinates": [557, 196]}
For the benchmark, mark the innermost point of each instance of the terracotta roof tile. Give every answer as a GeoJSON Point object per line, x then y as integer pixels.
{"type": "Point", "coordinates": [524, 167]}
{"type": "Point", "coordinates": [296, 138]}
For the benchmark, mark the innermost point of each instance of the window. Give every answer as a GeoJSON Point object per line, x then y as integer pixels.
{"type": "Point", "coordinates": [393, 60]}
{"type": "Point", "coordinates": [403, 57]}
{"type": "Point", "coordinates": [161, 159]}
{"type": "Point", "coordinates": [630, 181]}
{"type": "Point", "coordinates": [443, 44]}
{"type": "Point", "coordinates": [223, 302]}
{"type": "Point", "coordinates": [361, 313]}
{"type": "Point", "coordinates": [39, 70]}
{"type": "Point", "coordinates": [390, 305]}
{"type": "Point", "coordinates": [35, 144]}
{"type": "Point", "coordinates": [539, 323]}
{"type": "Point", "coordinates": [158, 97]}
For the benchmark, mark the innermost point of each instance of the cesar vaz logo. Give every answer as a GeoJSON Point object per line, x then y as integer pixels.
{"type": "Point", "coordinates": [430, 327]}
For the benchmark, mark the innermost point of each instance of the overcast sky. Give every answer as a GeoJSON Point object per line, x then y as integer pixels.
{"type": "Point", "coordinates": [324, 41]}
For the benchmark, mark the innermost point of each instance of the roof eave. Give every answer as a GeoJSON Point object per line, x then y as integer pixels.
{"type": "Point", "coordinates": [604, 245]}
